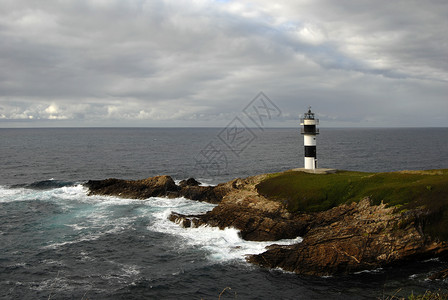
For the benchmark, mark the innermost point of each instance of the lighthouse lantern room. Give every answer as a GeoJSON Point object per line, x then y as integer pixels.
{"type": "Point", "coordinates": [309, 131]}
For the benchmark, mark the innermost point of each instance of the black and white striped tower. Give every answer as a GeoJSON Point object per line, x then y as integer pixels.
{"type": "Point", "coordinates": [309, 132]}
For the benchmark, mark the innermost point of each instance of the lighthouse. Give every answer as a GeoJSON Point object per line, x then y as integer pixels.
{"type": "Point", "coordinates": [309, 131]}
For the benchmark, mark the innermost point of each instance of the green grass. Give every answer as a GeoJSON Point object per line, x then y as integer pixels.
{"type": "Point", "coordinates": [305, 192]}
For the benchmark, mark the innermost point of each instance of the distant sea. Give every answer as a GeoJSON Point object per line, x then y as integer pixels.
{"type": "Point", "coordinates": [56, 242]}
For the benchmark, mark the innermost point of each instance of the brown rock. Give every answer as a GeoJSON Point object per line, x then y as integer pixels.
{"type": "Point", "coordinates": [158, 186]}
{"type": "Point", "coordinates": [257, 218]}
{"type": "Point", "coordinates": [351, 238]}
{"type": "Point", "coordinates": [137, 189]}
{"type": "Point", "coordinates": [189, 182]}
{"type": "Point", "coordinates": [344, 239]}
{"type": "Point", "coordinates": [211, 194]}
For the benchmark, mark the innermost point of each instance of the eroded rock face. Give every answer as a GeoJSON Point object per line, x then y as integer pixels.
{"type": "Point", "coordinates": [351, 238]}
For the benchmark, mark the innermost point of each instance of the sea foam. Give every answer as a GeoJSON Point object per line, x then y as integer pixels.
{"type": "Point", "coordinates": [88, 218]}
{"type": "Point", "coordinates": [220, 245]}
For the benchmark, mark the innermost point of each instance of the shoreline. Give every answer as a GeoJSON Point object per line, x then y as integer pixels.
{"type": "Point", "coordinates": [346, 238]}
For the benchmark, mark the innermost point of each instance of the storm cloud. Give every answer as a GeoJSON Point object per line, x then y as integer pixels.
{"type": "Point", "coordinates": [198, 63]}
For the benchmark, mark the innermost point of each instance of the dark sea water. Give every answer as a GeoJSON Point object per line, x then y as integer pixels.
{"type": "Point", "coordinates": [58, 243]}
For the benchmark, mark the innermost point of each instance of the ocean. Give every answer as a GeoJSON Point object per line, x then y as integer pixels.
{"type": "Point", "coordinates": [56, 242]}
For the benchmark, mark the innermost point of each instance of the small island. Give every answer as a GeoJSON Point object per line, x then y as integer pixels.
{"type": "Point", "coordinates": [349, 221]}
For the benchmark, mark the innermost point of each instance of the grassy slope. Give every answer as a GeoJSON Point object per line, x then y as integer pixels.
{"type": "Point", "coordinates": [304, 192]}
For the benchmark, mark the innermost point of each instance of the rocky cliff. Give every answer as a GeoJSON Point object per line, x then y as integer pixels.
{"type": "Point", "coordinates": [351, 238]}
{"type": "Point", "coordinates": [343, 239]}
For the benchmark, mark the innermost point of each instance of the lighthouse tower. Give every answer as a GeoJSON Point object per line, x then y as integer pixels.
{"type": "Point", "coordinates": [309, 132]}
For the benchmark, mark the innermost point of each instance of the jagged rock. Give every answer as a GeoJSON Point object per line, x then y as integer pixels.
{"type": "Point", "coordinates": [257, 218]}
{"type": "Point", "coordinates": [351, 238]}
{"type": "Point", "coordinates": [189, 182]}
{"type": "Point", "coordinates": [254, 225]}
{"type": "Point", "coordinates": [344, 239]}
{"type": "Point", "coordinates": [158, 186]}
{"type": "Point", "coordinates": [138, 189]}
{"type": "Point", "coordinates": [211, 194]}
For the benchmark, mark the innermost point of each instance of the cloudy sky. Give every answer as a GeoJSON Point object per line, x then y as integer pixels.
{"type": "Point", "coordinates": [200, 62]}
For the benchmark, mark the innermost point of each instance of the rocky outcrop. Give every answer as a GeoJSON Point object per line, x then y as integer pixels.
{"type": "Point", "coordinates": [136, 189]}
{"type": "Point", "coordinates": [189, 182]}
{"type": "Point", "coordinates": [351, 238]}
{"type": "Point", "coordinates": [344, 239]}
{"type": "Point", "coordinates": [158, 186]}
{"type": "Point", "coordinates": [257, 218]}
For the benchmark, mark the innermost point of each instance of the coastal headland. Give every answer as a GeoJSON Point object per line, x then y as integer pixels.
{"type": "Point", "coordinates": [349, 221]}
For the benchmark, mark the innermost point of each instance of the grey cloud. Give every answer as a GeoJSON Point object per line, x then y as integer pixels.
{"type": "Point", "coordinates": [193, 63]}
